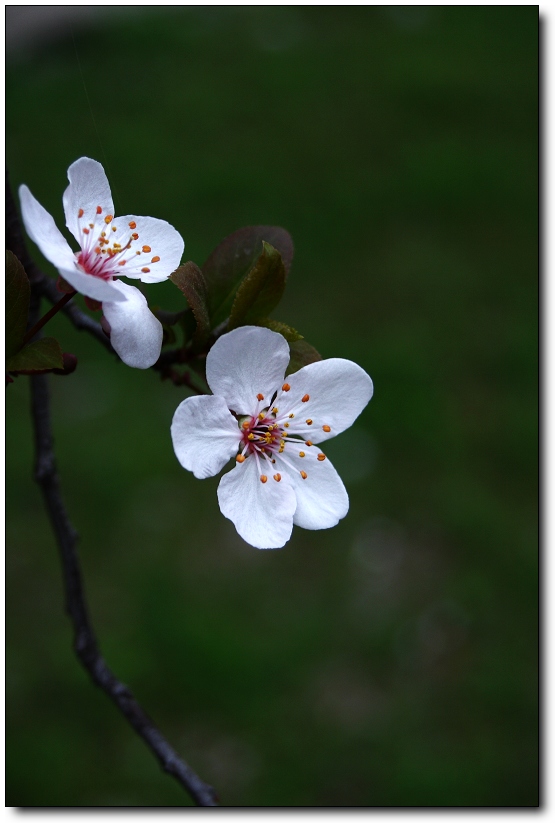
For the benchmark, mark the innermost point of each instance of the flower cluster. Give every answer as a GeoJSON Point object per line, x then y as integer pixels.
{"type": "Point", "coordinates": [274, 427]}
{"type": "Point", "coordinates": [141, 248]}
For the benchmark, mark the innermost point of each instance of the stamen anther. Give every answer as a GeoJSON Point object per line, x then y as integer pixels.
{"type": "Point", "coordinates": [240, 458]}
{"type": "Point", "coordinates": [245, 424]}
{"type": "Point", "coordinates": [306, 398]}
{"type": "Point", "coordinates": [304, 475]}
{"type": "Point", "coordinates": [145, 270]}
{"type": "Point", "coordinates": [108, 218]}
{"type": "Point", "coordinates": [325, 428]}
{"type": "Point", "coordinates": [291, 416]}
{"type": "Point", "coordinates": [99, 210]}
{"type": "Point", "coordinates": [260, 396]}
{"type": "Point", "coordinates": [263, 478]}
{"type": "Point", "coordinates": [132, 225]}
{"type": "Point", "coordinates": [155, 260]}
{"type": "Point", "coordinates": [80, 213]}
{"type": "Point", "coordinates": [308, 442]}
{"type": "Point", "coordinates": [277, 477]}
{"type": "Point", "coordinates": [309, 422]}
{"type": "Point", "coordinates": [286, 387]}
{"type": "Point", "coordinates": [321, 457]}
{"type": "Point", "coordinates": [301, 454]}
{"type": "Point", "coordinates": [147, 249]}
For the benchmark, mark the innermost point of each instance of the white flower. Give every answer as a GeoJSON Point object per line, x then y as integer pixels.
{"type": "Point", "coordinates": [142, 248]}
{"type": "Point", "coordinates": [272, 425]}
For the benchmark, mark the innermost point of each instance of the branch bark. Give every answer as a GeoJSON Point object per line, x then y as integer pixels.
{"type": "Point", "coordinates": [85, 643]}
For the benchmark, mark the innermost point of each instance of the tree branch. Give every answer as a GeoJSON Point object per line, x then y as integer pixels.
{"type": "Point", "coordinates": [85, 643]}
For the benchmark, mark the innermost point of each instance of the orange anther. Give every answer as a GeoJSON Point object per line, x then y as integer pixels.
{"type": "Point", "coordinates": [98, 210]}
{"type": "Point", "coordinates": [97, 250]}
{"type": "Point", "coordinates": [135, 236]}
{"type": "Point", "coordinates": [91, 225]}
{"type": "Point", "coordinates": [155, 260]}
{"type": "Point", "coordinates": [286, 425]}
{"type": "Point", "coordinates": [80, 213]}
{"type": "Point", "coordinates": [285, 387]}
{"type": "Point", "coordinates": [121, 263]}
{"type": "Point", "coordinates": [325, 428]}
{"type": "Point", "coordinates": [306, 398]}
{"type": "Point", "coordinates": [309, 422]}
{"type": "Point", "coordinates": [145, 270]}
{"type": "Point", "coordinates": [132, 225]}
{"type": "Point", "coordinates": [263, 478]}
{"type": "Point", "coordinates": [147, 249]}
{"type": "Point", "coordinates": [308, 442]}
{"type": "Point", "coordinates": [291, 415]}
{"type": "Point", "coordinates": [260, 397]}
{"type": "Point", "coordinates": [108, 218]}
{"type": "Point", "coordinates": [321, 457]}
{"type": "Point", "coordinates": [304, 475]}
{"type": "Point", "coordinates": [240, 458]}
{"type": "Point", "coordinates": [245, 424]}
{"type": "Point", "coordinates": [301, 454]}
{"type": "Point", "coordinates": [85, 231]}
{"type": "Point", "coordinates": [114, 228]}
{"type": "Point", "coordinates": [278, 475]}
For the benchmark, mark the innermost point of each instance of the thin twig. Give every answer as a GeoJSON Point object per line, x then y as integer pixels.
{"type": "Point", "coordinates": [85, 643]}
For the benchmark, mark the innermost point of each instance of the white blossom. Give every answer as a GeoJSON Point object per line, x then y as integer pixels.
{"type": "Point", "coordinates": [274, 427]}
{"type": "Point", "coordinates": [141, 248]}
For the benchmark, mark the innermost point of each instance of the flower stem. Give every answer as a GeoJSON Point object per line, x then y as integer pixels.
{"type": "Point", "coordinates": [48, 316]}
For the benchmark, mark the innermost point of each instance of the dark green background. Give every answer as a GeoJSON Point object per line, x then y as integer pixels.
{"type": "Point", "coordinates": [391, 660]}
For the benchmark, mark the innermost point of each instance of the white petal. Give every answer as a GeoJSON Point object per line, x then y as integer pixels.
{"type": "Point", "coordinates": [322, 500]}
{"type": "Point", "coordinates": [262, 513]}
{"type": "Point", "coordinates": [88, 189]}
{"type": "Point", "coordinates": [161, 240]}
{"type": "Point", "coordinates": [42, 230]}
{"type": "Point", "coordinates": [136, 333]}
{"type": "Point", "coordinates": [205, 435]}
{"type": "Point", "coordinates": [246, 362]}
{"type": "Point", "coordinates": [338, 391]}
{"type": "Point", "coordinates": [90, 286]}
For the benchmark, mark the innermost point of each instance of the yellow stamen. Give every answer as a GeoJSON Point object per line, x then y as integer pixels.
{"type": "Point", "coordinates": [240, 458]}
{"type": "Point", "coordinates": [301, 454]}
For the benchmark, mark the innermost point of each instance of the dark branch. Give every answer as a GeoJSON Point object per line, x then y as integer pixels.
{"type": "Point", "coordinates": [85, 643]}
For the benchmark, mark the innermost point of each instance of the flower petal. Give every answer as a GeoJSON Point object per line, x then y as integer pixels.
{"type": "Point", "coordinates": [136, 334]}
{"type": "Point", "coordinates": [338, 390]}
{"type": "Point", "coordinates": [88, 191]}
{"type": "Point", "coordinates": [155, 246]}
{"type": "Point", "coordinates": [42, 230]}
{"type": "Point", "coordinates": [91, 286]}
{"type": "Point", "coordinates": [244, 363]}
{"type": "Point", "coordinates": [205, 435]}
{"type": "Point", "coordinates": [262, 513]}
{"type": "Point", "coordinates": [322, 500]}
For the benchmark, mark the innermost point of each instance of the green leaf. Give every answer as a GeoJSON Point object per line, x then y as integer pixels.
{"type": "Point", "coordinates": [233, 258]}
{"type": "Point", "coordinates": [39, 356]}
{"type": "Point", "coordinates": [18, 292]}
{"type": "Point", "coordinates": [302, 353]}
{"type": "Point", "coordinates": [290, 334]}
{"type": "Point", "coordinates": [261, 290]}
{"type": "Point", "coordinates": [190, 280]}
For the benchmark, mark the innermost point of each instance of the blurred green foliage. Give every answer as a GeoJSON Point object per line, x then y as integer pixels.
{"type": "Point", "coordinates": [391, 660]}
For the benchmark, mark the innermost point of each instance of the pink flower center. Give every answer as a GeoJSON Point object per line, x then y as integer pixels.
{"type": "Point", "coordinates": [266, 434]}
